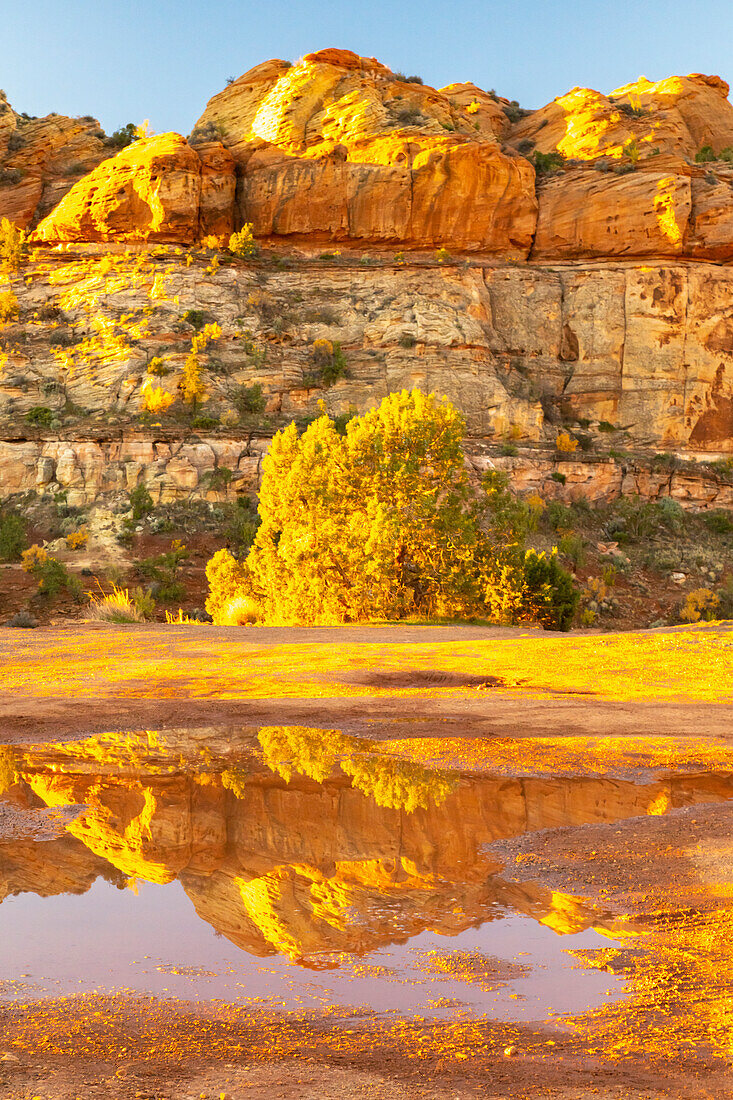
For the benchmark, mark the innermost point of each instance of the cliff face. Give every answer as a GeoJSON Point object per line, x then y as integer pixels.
{"type": "Point", "coordinates": [339, 148]}
{"type": "Point", "coordinates": [596, 292]}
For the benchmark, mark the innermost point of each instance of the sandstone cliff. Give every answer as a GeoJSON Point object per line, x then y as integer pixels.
{"type": "Point", "coordinates": [337, 147]}
{"type": "Point", "coordinates": [595, 293]}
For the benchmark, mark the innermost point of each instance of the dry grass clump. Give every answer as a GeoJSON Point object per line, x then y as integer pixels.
{"type": "Point", "coordinates": [118, 607]}
{"type": "Point", "coordinates": [237, 611]}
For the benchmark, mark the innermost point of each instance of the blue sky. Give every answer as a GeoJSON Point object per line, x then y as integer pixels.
{"type": "Point", "coordinates": [159, 59]}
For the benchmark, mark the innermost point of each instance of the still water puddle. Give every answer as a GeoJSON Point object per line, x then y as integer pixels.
{"type": "Point", "coordinates": [300, 868]}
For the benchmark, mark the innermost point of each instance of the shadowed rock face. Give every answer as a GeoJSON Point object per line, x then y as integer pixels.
{"type": "Point", "coordinates": [311, 842]}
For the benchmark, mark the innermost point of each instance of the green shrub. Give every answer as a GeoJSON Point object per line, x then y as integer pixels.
{"type": "Point", "coordinates": [550, 596]}
{"type": "Point", "coordinates": [573, 547]}
{"type": "Point", "coordinates": [141, 504]}
{"type": "Point", "coordinates": [205, 423]}
{"type": "Point", "coordinates": [123, 137]}
{"type": "Point", "coordinates": [241, 526]}
{"type": "Point", "coordinates": [162, 570]}
{"type": "Point", "coordinates": [705, 155]}
{"type": "Point", "coordinates": [249, 400]}
{"type": "Point", "coordinates": [13, 540]}
{"type": "Point", "coordinates": [194, 317]}
{"type": "Point", "coordinates": [40, 415]}
{"type": "Point", "coordinates": [547, 162]}
{"type": "Point", "coordinates": [719, 522]}
{"type": "Point", "coordinates": [606, 426]}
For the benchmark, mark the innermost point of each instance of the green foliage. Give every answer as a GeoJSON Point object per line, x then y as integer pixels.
{"type": "Point", "coordinates": [606, 426]}
{"type": "Point", "coordinates": [123, 137]}
{"type": "Point", "coordinates": [547, 162]}
{"type": "Point", "coordinates": [39, 415]}
{"type": "Point", "coordinates": [719, 522]}
{"type": "Point", "coordinates": [508, 450]}
{"type": "Point", "coordinates": [162, 570]}
{"type": "Point", "coordinates": [242, 244]}
{"type": "Point", "coordinates": [205, 423]}
{"type": "Point", "coordinates": [51, 574]}
{"type": "Point", "coordinates": [194, 317]}
{"type": "Point", "coordinates": [13, 540]}
{"type": "Point", "coordinates": [249, 400]}
{"type": "Point", "coordinates": [550, 597]}
{"type": "Point", "coordinates": [573, 547]}
{"type": "Point", "coordinates": [705, 155]}
{"type": "Point", "coordinates": [141, 504]}
{"type": "Point", "coordinates": [379, 523]}
{"type": "Point", "coordinates": [240, 526]}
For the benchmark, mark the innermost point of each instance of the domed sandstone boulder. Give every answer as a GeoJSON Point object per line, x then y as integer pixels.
{"type": "Point", "coordinates": [157, 189]}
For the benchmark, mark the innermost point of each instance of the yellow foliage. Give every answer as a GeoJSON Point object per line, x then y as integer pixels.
{"type": "Point", "coordinates": [239, 610]}
{"type": "Point", "coordinates": [227, 579]}
{"type": "Point", "coordinates": [472, 108]}
{"type": "Point", "coordinates": [155, 398]}
{"type": "Point", "coordinates": [565, 443]}
{"type": "Point", "coordinates": [33, 557]}
{"type": "Point", "coordinates": [118, 607]}
{"type": "Point", "coordinates": [381, 523]}
{"type": "Point", "coordinates": [13, 246]}
{"type": "Point", "coordinates": [75, 540]}
{"type": "Point", "coordinates": [211, 242]}
{"type": "Point", "coordinates": [8, 306]}
{"type": "Point", "coordinates": [181, 619]}
{"type": "Point", "coordinates": [322, 351]}
{"type": "Point", "coordinates": [699, 604]}
{"type": "Point", "coordinates": [243, 244]}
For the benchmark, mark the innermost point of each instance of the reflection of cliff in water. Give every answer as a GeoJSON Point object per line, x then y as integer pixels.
{"type": "Point", "coordinates": [306, 842]}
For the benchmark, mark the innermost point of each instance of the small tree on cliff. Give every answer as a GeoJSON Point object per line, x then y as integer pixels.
{"type": "Point", "coordinates": [380, 523]}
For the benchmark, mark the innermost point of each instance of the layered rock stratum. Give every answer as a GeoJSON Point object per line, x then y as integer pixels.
{"type": "Point", "coordinates": [582, 278]}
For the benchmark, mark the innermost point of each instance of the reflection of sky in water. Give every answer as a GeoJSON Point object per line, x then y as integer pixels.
{"type": "Point", "coordinates": [106, 934]}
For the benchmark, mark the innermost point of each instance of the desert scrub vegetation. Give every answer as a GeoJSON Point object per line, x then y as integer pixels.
{"type": "Point", "coordinates": [162, 571]}
{"type": "Point", "coordinates": [242, 244]}
{"type": "Point", "coordinates": [381, 523]}
{"type": "Point", "coordinates": [122, 606]}
{"type": "Point", "coordinates": [329, 363]}
{"type": "Point", "coordinates": [13, 537]}
{"type": "Point", "coordinates": [51, 574]}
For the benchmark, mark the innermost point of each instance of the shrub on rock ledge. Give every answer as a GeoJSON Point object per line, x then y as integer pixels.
{"type": "Point", "coordinates": [382, 523]}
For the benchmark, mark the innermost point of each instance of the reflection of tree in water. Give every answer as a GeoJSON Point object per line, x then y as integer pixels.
{"type": "Point", "coordinates": [8, 768]}
{"type": "Point", "coordinates": [392, 783]}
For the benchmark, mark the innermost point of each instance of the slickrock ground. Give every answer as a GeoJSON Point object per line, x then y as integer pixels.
{"type": "Point", "coordinates": [551, 810]}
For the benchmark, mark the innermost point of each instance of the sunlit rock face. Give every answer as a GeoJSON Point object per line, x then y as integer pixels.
{"type": "Point", "coordinates": [678, 115]}
{"type": "Point", "coordinates": [157, 189]}
{"type": "Point", "coordinates": [338, 147]}
{"type": "Point", "coordinates": [41, 159]}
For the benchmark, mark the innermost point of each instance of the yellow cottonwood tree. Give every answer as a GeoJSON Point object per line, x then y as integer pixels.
{"type": "Point", "coordinates": [380, 523]}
